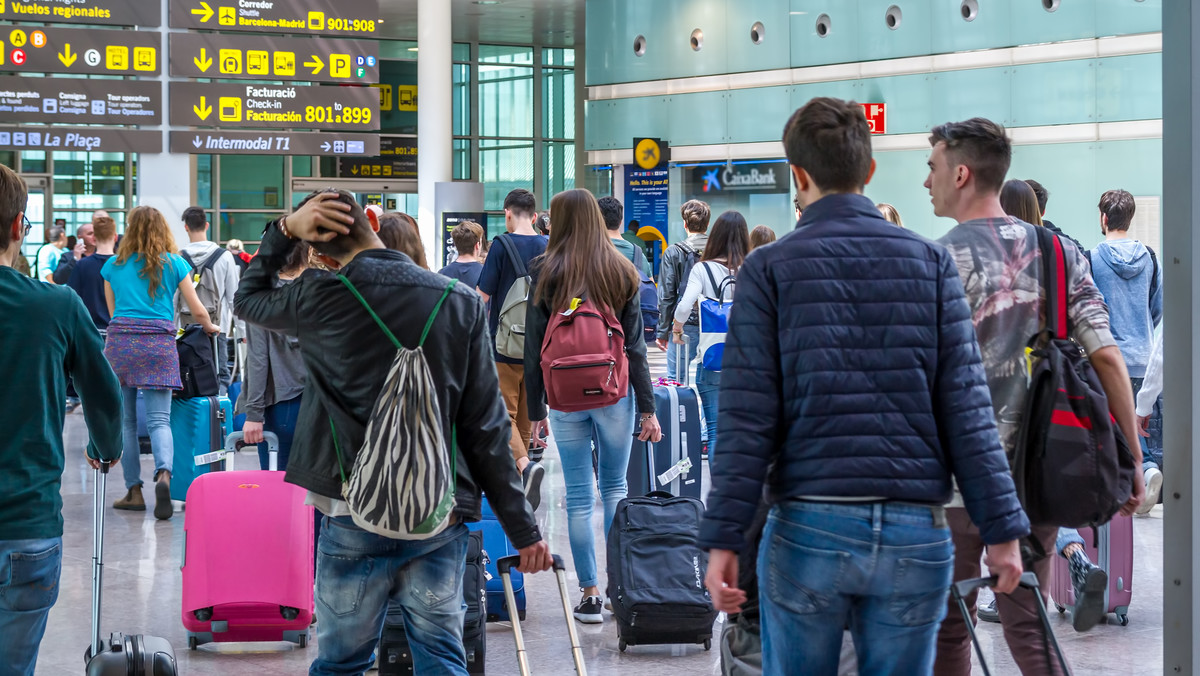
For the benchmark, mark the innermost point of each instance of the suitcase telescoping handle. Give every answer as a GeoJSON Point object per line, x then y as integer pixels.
{"type": "Point", "coordinates": [683, 367]}
{"type": "Point", "coordinates": [960, 590]}
{"type": "Point", "coordinates": [505, 566]}
{"type": "Point", "coordinates": [98, 555]}
{"type": "Point", "coordinates": [236, 442]}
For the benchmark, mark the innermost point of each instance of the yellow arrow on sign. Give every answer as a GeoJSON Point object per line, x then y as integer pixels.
{"type": "Point", "coordinates": [204, 14]}
{"type": "Point", "coordinates": [67, 58]}
{"type": "Point", "coordinates": [203, 62]}
{"type": "Point", "coordinates": [203, 110]}
{"type": "Point", "coordinates": [317, 65]}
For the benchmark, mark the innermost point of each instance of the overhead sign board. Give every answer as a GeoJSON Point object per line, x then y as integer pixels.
{"type": "Point", "coordinates": [274, 107]}
{"type": "Point", "coordinates": [337, 18]}
{"type": "Point", "coordinates": [762, 177]}
{"type": "Point", "coordinates": [268, 57]}
{"type": "Point", "coordinates": [273, 143]}
{"type": "Point", "coordinates": [397, 158]}
{"type": "Point", "coordinates": [649, 153]}
{"type": "Point", "coordinates": [77, 50]}
{"type": "Point", "coordinates": [81, 139]}
{"type": "Point", "coordinates": [144, 13]}
{"type": "Point", "coordinates": [72, 101]}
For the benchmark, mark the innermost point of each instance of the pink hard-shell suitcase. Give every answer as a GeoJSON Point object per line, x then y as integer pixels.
{"type": "Point", "coordinates": [1114, 554]}
{"type": "Point", "coordinates": [247, 557]}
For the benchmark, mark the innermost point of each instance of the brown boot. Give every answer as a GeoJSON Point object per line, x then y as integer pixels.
{"type": "Point", "coordinates": [132, 501]}
{"type": "Point", "coordinates": [162, 496]}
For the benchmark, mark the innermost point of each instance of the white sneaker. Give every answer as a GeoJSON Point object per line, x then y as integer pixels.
{"type": "Point", "coordinates": [1154, 481]}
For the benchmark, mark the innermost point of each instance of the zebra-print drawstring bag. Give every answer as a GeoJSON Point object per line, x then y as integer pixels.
{"type": "Point", "coordinates": [403, 479]}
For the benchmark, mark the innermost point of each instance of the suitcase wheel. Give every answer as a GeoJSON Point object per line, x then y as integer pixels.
{"type": "Point", "coordinates": [203, 614]}
{"type": "Point", "coordinates": [193, 644]}
{"type": "Point", "coordinates": [622, 644]}
{"type": "Point", "coordinates": [1123, 620]}
{"type": "Point", "coordinates": [288, 613]}
{"type": "Point", "coordinates": [1061, 608]}
{"type": "Point", "coordinates": [303, 641]}
{"type": "Point", "coordinates": [521, 614]}
{"type": "Point", "coordinates": [708, 644]}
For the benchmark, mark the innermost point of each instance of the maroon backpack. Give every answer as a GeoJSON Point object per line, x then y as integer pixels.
{"type": "Point", "coordinates": [1072, 466]}
{"type": "Point", "coordinates": [583, 359]}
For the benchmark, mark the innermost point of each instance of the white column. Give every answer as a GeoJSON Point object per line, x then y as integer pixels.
{"type": "Point", "coordinates": [435, 141]}
{"type": "Point", "coordinates": [165, 180]}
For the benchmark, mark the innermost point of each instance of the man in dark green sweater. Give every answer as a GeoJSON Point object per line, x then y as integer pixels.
{"type": "Point", "coordinates": [46, 334]}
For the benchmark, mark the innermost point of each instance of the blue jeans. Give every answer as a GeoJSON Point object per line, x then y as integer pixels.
{"type": "Point", "coordinates": [612, 429]}
{"type": "Point", "coordinates": [1152, 447]}
{"type": "Point", "coordinates": [693, 336]}
{"type": "Point", "coordinates": [29, 573]}
{"type": "Point", "coordinates": [280, 418]}
{"type": "Point", "coordinates": [358, 573]}
{"type": "Point", "coordinates": [708, 384]}
{"type": "Point", "coordinates": [1066, 538]}
{"type": "Point", "coordinates": [158, 423]}
{"type": "Point", "coordinates": [884, 570]}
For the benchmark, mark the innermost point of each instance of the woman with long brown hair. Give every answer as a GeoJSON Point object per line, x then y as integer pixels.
{"type": "Point", "coordinates": [713, 277]}
{"type": "Point", "coordinates": [398, 232]}
{"type": "Point", "coordinates": [580, 264]}
{"type": "Point", "coordinates": [1018, 200]}
{"type": "Point", "coordinates": [140, 284]}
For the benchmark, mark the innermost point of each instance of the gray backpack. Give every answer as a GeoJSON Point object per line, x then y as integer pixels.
{"type": "Point", "coordinates": [510, 334]}
{"type": "Point", "coordinates": [205, 281]}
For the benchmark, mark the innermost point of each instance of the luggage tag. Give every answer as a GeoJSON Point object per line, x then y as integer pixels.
{"type": "Point", "coordinates": [680, 468]}
{"type": "Point", "coordinates": [575, 303]}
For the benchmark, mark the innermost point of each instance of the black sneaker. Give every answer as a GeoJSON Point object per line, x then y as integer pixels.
{"type": "Point", "coordinates": [532, 478]}
{"type": "Point", "coordinates": [1090, 586]}
{"type": "Point", "coordinates": [589, 610]}
{"type": "Point", "coordinates": [988, 613]}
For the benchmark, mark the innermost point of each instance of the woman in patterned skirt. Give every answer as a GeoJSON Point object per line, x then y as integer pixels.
{"type": "Point", "coordinates": [140, 284]}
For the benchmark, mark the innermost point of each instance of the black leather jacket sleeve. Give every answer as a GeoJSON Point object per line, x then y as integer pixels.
{"type": "Point", "coordinates": [257, 300]}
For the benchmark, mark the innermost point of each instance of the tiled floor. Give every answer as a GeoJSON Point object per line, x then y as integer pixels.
{"type": "Point", "coordinates": [143, 583]}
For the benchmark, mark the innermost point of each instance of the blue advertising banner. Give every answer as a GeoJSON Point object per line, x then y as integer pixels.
{"type": "Point", "coordinates": [647, 201]}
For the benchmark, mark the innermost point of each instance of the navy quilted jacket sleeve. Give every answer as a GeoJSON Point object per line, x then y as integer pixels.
{"type": "Point", "coordinates": [851, 370]}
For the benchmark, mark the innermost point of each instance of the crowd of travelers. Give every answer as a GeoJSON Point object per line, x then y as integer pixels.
{"type": "Point", "coordinates": [870, 405]}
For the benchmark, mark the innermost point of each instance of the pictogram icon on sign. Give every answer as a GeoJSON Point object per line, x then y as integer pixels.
{"type": "Point", "coordinates": [339, 65]}
{"type": "Point", "coordinates": [203, 62]}
{"type": "Point", "coordinates": [37, 39]}
{"type": "Point", "coordinates": [92, 57]}
{"type": "Point", "coordinates": [203, 110]}
{"type": "Point", "coordinates": [231, 109]}
{"type": "Point", "coordinates": [227, 16]}
{"type": "Point", "coordinates": [18, 38]}
{"type": "Point", "coordinates": [18, 57]}
{"type": "Point", "coordinates": [117, 57]}
{"type": "Point", "coordinates": [316, 21]}
{"type": "Point", "coordinates": [315, 64]}
{"type": "Point", "coordinates": [66, 57]}
{"type": "Point", "coordinates": [144, 58]}
{"type": "Point", "coordinates": [231, 61]}
{"type": "Point", "coordinates": [205, 12]}
{"type": "Point", "coordinates": [285, 64]}
{"type": "Point", "coordinates": [258, 62]}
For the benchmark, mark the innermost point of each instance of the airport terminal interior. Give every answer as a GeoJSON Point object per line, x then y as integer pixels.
{"type": "Point", "coordinates": [440, 108]}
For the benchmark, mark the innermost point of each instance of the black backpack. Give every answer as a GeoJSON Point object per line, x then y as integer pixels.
{"type": "Point", "coordinates": [197, 364]}
{"type": "Point", "coordinates": [1072, 465]}
{"type": "Point", "coordinates": [656, 572]}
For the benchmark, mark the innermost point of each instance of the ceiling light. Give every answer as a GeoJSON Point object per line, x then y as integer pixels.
{"type": "Point", "coordinates": [487, 2]}
{"type": "Point", "coordinates": [413, 49]}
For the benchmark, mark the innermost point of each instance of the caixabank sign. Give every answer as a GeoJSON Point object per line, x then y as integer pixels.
{"type": "Point", "coordinates": [760, 177]}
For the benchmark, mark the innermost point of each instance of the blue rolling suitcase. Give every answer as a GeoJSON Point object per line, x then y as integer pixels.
{"type": "Point", "coordinates": [497, 546]}
{"type": "Point", "coordinates": [199, 426]}
{"type": "Point", "coordinates": [672, 465]}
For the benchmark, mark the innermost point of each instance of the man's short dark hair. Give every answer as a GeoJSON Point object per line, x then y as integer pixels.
{"type": "Point", "coordinates": [981, 145]}
{"type": "Point", "coordinates": [831, 140]}
{"type": "Point", "coordinates": [466, 237]}
{"type": "Point", "coordinates": [13, 199]}
{"type": "Point", "coordinates": [194, 219]}
{"type": "Point", "coordinates": [1118, 206]}
{"type": "Point", "coordinates": [1040, 192]}
{"type": "Point", "coordinates": [613, 212]}
{"type": "Point", "coordinates": [360, 231]}
{"type": "Point", "coordinates": [521, 202]}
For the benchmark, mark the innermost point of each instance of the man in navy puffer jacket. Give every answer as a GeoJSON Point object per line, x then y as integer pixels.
{"type": "Point", "coordinates": [853, 390]}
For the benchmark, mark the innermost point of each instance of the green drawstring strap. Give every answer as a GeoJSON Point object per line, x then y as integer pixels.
{"type": "Point", "coordinates": [392, 337]}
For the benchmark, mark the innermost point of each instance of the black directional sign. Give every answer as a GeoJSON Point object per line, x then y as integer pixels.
{"type": "Point", "coordinates": [81, 139]}
{"type": "Point", "coordinates": [71, 101]}
{"type": "Point", "coordinates": [274, 106]}
{"type": "Point", "coordinates": [397, 158]}
{"type": "Point", "coordinates": [273, 143]}
{"type": "Point", "coordinates": [145, 13]}
{"type": "Point", "coordinates": [77, 50]}
{"type": "Point", "coordinates": [268, 57]}
{"type": "Point", "coordinates": [338, 18]}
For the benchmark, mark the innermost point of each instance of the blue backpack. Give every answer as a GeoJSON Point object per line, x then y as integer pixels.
{"type": "Point", "coordinates": [714, 322]}
{"type": "Point", "coordinates": [649, 300]}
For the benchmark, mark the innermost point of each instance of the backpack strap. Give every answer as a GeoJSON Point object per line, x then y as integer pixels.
{"type": "Point", "coordinates": [515, 260]}
{"type": "Point", "coordinates": [1054, 281]}
{"type": "Point", "coordinates": [391, 336]}
{"type": "Point", "coordinates": [1154, 278]}
{"type": "Point", "coordinates": [718, 289]}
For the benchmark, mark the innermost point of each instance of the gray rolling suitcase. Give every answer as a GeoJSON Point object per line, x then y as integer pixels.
{"type": "Point", "coordinates": [119, 654]}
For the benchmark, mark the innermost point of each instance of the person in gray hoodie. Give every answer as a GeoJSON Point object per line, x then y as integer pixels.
{"type": "Point", "coordinates": [1128, 274]}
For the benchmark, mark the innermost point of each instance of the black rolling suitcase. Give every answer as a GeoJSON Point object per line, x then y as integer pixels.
{"type": "Point", "coordinates": [395, 655]}
{"type": "Point", "coordinates": [961, 590]}
{"type": "Point", "coordinates": [673, 464]}
{"type": "Point", "coordinates": [656, 572]}
{"type": "Point", "coordinates": [119, 654]}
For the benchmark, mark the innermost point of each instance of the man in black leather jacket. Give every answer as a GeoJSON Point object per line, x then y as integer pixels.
{"type": "Point", "coordinates": [348, 358]}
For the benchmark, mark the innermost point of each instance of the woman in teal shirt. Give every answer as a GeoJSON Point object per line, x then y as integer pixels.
{"type": "Point", "coordinates": [139, 284]}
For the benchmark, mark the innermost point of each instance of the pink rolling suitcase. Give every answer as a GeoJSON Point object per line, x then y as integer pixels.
{"type": "Point", "coordinates": [247, 557]}
{"type": "Point", "coordinates": [1114, 555]}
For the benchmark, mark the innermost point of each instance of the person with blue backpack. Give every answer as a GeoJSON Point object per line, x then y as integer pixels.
{"type": "Point", "coordinates": [711, 283]}
{"type": "Point", "coordinates": [673, 273]}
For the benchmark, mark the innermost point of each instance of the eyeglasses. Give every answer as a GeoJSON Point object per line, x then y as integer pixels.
{"type": "Point", "coordinates": [28, 225]}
